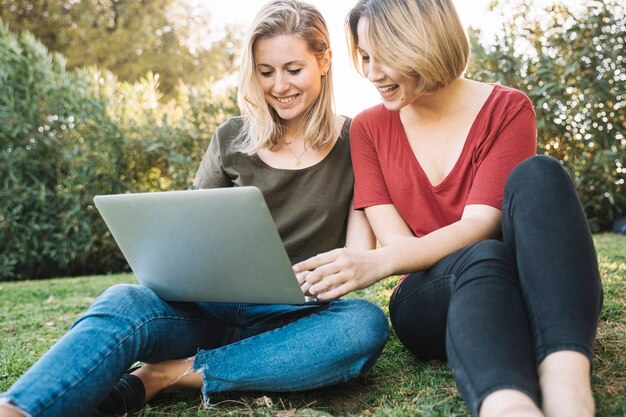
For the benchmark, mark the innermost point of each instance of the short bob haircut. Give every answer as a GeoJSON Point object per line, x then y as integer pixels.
{"type": "Point", "coordinates": [422, 39]}
{"type": "Point", "coordinates": [262, 126]}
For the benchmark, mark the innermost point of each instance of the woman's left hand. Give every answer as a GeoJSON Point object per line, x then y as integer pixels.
{"type": "Point", "coordinates": [332, 274]}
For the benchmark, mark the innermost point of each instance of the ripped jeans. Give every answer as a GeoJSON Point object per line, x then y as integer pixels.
{"type": "Point", "coordinates": [236, 347]}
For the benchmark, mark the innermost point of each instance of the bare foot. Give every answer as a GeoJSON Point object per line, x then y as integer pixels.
{"type": "Point", "coordinates": [509, 403]}
{"type": "Point", "coordinates": [565, 380]}
{"type": "Point", "coordinates": [167, 375]}
{"type": "Point", "coordinates": [10, 411]}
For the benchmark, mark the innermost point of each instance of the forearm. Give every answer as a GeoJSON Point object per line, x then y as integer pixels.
{"type": "Point", "coordinates": [407, 254]}
{"type": "Point", "coordinates": [332, 274]}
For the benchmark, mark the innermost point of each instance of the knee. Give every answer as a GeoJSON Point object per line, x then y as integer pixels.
{"type": "Point", "coordinates": [536, 167]}
{"type": "Point", "coordinates": [124, 294]}
{"type": "Point", "coordinates": [537, 171]}
{"type": "Point", "coordinates": [367, 325]}
{"type": "Point", "coordinates": [124, 301]}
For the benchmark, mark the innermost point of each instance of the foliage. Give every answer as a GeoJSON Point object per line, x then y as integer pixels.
{"type": "Point", "coordinates": [129, 38]}
{"type": "Point", "coordinates": [572, 66]}
{"type": "Point", "coordinates": [35, 314]}
{"type": "Point", "coordinates": [67, 136]}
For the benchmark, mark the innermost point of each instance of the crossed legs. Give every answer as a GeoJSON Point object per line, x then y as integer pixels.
{"type": "Point", "coordinates": [130, 323]}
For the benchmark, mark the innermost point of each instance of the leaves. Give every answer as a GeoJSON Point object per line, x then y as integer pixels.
{"type": "Point", "coordinates": [571, 65]}
{"type": "Point", "coordinates": [129, 38]}
{"type": "Point", "coordinates": [71, 135]}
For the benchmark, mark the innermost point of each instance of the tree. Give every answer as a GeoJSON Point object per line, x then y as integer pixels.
{"type": "Point", "coordinates": [571, 65]}
{"type": "Point", "coordinates": [128, 37]}
{"type": "Point", "coordinates": [66, 136]}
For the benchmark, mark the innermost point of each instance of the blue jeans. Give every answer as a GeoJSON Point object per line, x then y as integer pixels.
{"type": "Point", "coordinates": [497, 308]}
{"type": "Point", "coordinates": [236, 347]}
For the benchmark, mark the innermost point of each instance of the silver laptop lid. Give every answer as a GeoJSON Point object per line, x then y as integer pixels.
{"type": "Point", "coordinates": [218, 245]}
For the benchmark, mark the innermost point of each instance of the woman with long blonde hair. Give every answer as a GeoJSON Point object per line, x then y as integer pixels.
{"type": "Point", "coordinates": [292, 146]}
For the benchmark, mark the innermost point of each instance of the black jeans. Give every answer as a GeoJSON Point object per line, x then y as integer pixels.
{"type": "Point", "coordinates": [496, 309]}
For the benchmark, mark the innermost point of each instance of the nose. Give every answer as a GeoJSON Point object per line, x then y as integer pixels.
{"type": "Point", "coordinates": [281, 84]}
{"type": "Point", "coordinates": [374, 71]}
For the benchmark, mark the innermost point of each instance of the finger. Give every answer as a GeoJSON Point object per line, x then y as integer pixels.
{"type": "Point", "coordinates": [305, 288]}
{"type": "Point", "coordinates": [335, 292]}
{"type": "Point", "coordinates": [301, 276]}
{"type": "Point", "coordinates": [326, 284]}
{"type": "Point", "coordinates": [322, 273]}
{"type": "Point", "coordinates": [315, 262]}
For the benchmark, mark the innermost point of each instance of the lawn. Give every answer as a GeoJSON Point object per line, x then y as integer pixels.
{"type": "Point", "coordinates": [33, 314]}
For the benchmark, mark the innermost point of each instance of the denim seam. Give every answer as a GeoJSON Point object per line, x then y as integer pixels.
{"type": "Point", "coordinates": [238, 325]}
{"type": "Point", "coordinates": [536, 334]}
{"type": "Point", "coordinates": [475, 408]}
{"type": "Point", "coordinates": [471, 382]}
{"type": "Point", "coordinates": [537, 338]}
{"type": "Point", "coordinates": [134, 330]}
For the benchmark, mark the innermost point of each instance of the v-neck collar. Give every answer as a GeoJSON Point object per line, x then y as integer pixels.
{"type": "Point", "coordinates": [406, 146]}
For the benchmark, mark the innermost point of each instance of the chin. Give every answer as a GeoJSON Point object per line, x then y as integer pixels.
{"type": "Point", "coordinates": [289, 115]}
{"type": "Point", "coordinates": [392, 105]}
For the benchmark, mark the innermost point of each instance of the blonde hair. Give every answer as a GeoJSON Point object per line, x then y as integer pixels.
{"type": "Point", "coordinates": [422, 39]}
{"type": "Point", "coordinates": [262, 126]}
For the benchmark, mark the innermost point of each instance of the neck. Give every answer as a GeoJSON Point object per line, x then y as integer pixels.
{"type": "Point", "coordinates": [293, 136]}
{"type": "Point", "coordinates": [438, 104]}
{"type": "Point", "coordinates": [294, 128]}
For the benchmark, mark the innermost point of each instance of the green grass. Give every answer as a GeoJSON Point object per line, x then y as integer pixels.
{"type": "Point", "coordinates": [33, 314]}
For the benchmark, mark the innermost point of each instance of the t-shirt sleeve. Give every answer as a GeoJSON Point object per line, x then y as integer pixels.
{"type": "Point", "coordinates": [514, 140]}
{"type": "Point", "coordinates": [211, 172]}
{"type": "Point", "coordinates": [369, 184]}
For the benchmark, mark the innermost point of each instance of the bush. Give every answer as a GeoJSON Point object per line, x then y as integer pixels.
{"type": "Point", "coordinates": [68, 136]}
{"type": "Point", "coordinates": [571, 65]}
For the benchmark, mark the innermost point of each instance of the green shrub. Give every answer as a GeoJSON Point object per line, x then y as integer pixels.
{"type": "Point", "coordinates": [572, 66]}
{"type": "Point", "coordinates": [68, 136]}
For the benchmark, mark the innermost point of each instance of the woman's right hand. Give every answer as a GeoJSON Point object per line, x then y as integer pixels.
{"type": "Point", "coordinates": [333, 274]}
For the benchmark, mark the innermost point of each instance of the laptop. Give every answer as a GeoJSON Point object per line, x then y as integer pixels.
{"type": "Point", "coordinates": [208, 245]}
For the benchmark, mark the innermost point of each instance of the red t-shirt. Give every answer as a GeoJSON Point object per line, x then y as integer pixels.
{"type": "Point", "coordinates": [387, 172]}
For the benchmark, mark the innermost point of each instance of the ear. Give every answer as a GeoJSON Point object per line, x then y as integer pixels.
{"type": "Point", "coordinates": [325, 61]}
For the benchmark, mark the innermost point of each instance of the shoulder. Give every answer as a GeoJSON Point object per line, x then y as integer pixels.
{"type": "Point", "coordinates": [374, 122]}
{"type": "Point", "coordinates": [231, 127]}
{"type": "Point", "coordinates": [504, 105]}
{"type": "Point", "coordinates": [372, 115]}
{"type": "Point", "coordinates": [342, 144]}
{"type": "Point", "coordinates": [227, 133]}
{"type": "Point", "coordinates": [503, 96]}
{"type": "Point", "coordinates": [344, 130]}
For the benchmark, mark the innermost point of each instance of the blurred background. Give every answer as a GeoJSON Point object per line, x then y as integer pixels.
{"type": "Point", "coordinates": [112, 96]}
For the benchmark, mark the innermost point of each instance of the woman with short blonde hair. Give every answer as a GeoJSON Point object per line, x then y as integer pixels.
{"type": "Point", "coordinates": [424, 40]}
{"type": "Point", "coordinates": [500, 275]}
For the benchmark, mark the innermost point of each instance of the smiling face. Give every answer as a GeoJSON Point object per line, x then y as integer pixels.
{"type": "Point", "coordinates": [289, 74]}
{"type": "Point", "coordinates": [396, 89]}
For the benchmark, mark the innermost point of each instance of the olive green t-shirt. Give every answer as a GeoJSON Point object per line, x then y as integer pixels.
{"type": "Point", "coordinates": [310, 206]}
